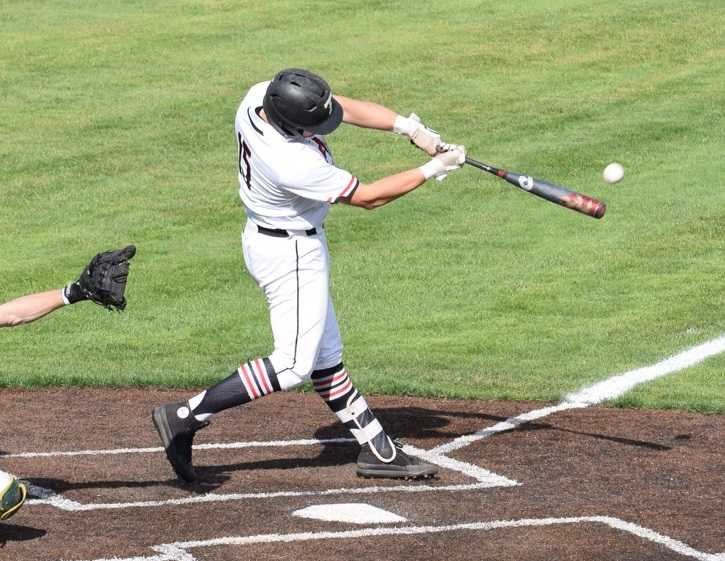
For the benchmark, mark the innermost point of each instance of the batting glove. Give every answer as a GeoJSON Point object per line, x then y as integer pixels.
{"type": "Point", "coordinates": [423, 137]}
{"type": "Point", "coordinates": [442, 163]}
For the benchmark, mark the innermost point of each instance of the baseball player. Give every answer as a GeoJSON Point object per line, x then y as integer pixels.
{"type": "Point", "coordinates": [102, 281]}
{"type": "Point", "coordinates": [287, 181]}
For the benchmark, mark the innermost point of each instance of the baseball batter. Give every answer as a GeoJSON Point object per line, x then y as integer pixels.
{"type": "Point", "coordinates": [287, 181]}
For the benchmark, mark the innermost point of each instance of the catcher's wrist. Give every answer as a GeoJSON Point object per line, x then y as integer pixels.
{"type": "Point", "coordinates": [432, 168]}
{"type": "Point", "coordinates": [404, 125]}
{"type": "Point", "coordinates": [73, 293]}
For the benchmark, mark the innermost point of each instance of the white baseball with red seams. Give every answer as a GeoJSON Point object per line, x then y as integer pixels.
{"type": "Point", "coordinates": [289, 185]}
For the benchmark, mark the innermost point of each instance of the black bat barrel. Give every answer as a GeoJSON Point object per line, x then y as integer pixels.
{"type": "Point", "coordinates": [555, 193]}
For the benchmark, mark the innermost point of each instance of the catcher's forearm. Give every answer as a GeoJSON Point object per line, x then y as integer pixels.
{"type": "Point", "coordinates": [29, 308]}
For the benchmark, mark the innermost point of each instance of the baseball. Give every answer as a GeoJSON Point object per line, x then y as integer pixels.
{"type": "Point", "coordinates": [613, 173]}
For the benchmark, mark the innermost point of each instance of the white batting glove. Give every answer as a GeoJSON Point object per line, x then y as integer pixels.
{"type": "Point", "coordinates": [450, 160]}
{"type": "Point", "coordinates": [423, 137]}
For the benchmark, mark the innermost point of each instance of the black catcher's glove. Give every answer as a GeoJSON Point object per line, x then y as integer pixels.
{"type": "Point", "coordinates": [104, 279]}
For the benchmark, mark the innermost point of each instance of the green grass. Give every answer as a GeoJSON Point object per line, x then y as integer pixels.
{"type": "Point", "coordinates": [116, 126]}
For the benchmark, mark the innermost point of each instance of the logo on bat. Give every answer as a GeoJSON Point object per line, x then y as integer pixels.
{"type": "Point", "coordinates": [526, 182]}
{"type": "Point", "coordinates": [328, 105]}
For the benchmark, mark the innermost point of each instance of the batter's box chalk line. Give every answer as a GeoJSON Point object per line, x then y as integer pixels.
{"type": "Point", "coordinates": [482, 477]}
{"type": "Point", "coordinates": [209, 446]}
{"type": "Point", "coordinates": [179, 551]}
{"type": "Point", "coordinates": [58, 501]}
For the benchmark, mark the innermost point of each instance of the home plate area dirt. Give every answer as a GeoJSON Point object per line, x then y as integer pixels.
{"type": "Point", "coordinates": [279, 483]}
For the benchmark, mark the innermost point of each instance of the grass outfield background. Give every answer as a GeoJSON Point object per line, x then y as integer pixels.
{"type": "Point", "coordinates": [116, 127]}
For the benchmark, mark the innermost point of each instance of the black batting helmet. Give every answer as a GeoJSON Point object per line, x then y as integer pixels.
{"type": "Point", "coordinates": [298, 100]}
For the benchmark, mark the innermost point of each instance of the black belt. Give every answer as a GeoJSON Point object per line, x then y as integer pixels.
{"type": "Point", "coordinates": [279, 233]}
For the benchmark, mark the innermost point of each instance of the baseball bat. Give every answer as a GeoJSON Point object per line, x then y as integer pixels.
{"type": "Point", "coordinates": [549, 191]}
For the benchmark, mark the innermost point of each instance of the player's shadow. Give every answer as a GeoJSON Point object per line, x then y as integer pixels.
{"type": "Point", "coordinates": [17, 533]}
{"type": "Point", "coordinates": [330, 455]}
{"type": "Point", "coordinates": [534, 426]}
{"type": "Point", "coordinates": [416, 423]}
{"type": "Point", "coordinates": [61, 486]}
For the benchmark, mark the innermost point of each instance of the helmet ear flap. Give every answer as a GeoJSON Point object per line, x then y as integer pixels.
{"type": "Point", "coordinates": [269, 104]}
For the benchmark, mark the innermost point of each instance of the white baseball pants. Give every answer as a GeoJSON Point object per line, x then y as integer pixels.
{"type": "Point", "coordinates": [294, 273]}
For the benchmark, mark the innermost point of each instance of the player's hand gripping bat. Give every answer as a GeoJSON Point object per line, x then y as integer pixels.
{"type": "Point", "coordinates": [554, 193]}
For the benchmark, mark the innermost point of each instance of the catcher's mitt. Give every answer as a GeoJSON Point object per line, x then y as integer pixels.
{"type": "Point", "coordinates": [104, 279]}
{"type": "Point", "coordinates": [12, 495]}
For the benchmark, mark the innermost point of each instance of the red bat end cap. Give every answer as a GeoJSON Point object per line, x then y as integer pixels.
{"type": "Point", "coordinates": [599, 210]}
{"type": "Point", "coordinates": [586, 205]}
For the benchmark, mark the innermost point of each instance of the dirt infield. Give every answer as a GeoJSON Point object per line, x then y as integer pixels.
{"type": "Point", "coordinates": [592, 483]}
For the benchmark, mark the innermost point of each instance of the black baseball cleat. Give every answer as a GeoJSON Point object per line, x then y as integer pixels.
{"type": "Point", "coordinates": [176, 426]}
{"type": "Point", "coordinates": [402, 466]}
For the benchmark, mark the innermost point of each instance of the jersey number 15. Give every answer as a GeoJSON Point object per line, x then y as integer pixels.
{"type": "Point", "coordinates": [244, 154]}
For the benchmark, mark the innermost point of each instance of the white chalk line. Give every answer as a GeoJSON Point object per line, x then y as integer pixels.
{"type": "Point", "coordinates": [209, 446]}
{"type": "Point", "coordinates": [617, 386]}
{"type": "Point", "coordinates": [507, 425]}
{"type": "Point", "coordinates": [476, 472]}
{"type": "Point", "coordinates": [58, 501]}
{"type": "Point", "coordinates": [610, 388]}
{"type": "Point", "coordinates": [178, 551]}
{"type": "Point", "coordinates": [470, 470]}
{"type": "Point", "coordinates": [485, 479]}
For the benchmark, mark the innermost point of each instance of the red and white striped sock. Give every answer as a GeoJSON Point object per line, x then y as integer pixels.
{"type": "Point", "coordinates": [252, 380]}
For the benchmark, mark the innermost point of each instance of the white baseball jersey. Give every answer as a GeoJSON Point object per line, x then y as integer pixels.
{"type": "Point", "coordinates": [283, 183]}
